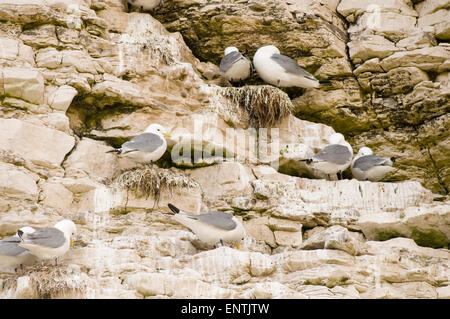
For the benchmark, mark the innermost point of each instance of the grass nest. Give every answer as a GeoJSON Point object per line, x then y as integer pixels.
{"type": "Point", "coordinates": [265, 105]}
{"type": "Point", "coordinates": [56, 282]}
{"type": "Point", "coordinates": [49, 282]}
{"type": "Point", "coordinates": [151, 180]}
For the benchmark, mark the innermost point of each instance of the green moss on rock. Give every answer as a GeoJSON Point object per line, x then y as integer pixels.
{"type": "Point", "coordinates": [429, 238]}
{"type": "Point", "coordinates": [387, 234]}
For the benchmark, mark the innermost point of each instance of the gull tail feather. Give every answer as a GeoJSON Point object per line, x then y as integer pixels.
{"type": "Point", "coordinates": [173, 208]}
{"type": "Point", "coordinates": [116, 150]}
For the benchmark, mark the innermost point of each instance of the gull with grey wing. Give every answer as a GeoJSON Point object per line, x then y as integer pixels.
{"type": "Point", "coordinates": [368, 167]}
{"type": "Point", "coordinates": [12, 255]}
{"type": "Point", "coordinates": [280, 70]}
{"type": "Point", "coordinates": [212, 227]}
{"type": "Point", "coordinates": [147, 147]}
{"type": "Point", "coordinates": [234, 66]}
{"type": "Point", "coordinates": [50, 242]}
{"type": "Point", "coordinates": [333, 158]}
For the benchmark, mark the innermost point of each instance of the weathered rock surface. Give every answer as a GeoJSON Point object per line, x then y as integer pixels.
{"type": "Point", "coordinates": [16, 183]}
{"type": "Point", "coordinates": [80, 77]}
{"type": "Point", "coordinates": [40, 145]}
{"type": "Point", "coordinates": [428, 225]}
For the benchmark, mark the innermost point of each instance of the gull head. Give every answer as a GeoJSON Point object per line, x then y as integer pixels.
{"type": "Point", "coordinates": [363, 151]}
{"type": "Point", "coordinates": [231, 49]}
{"type": "Point", "coordinates": [157, 129]}
{"type": "Point", "coordinates": [68, 228]}
{"type": "Point", "coordinates": [27, 229]}
{"type": "Point", "coordinates": [268, 49]}
{"type": "Point", "coordinates": [336, 138]}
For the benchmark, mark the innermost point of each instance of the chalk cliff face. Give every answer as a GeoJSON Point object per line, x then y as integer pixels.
{"type": "Point", "coordinates": [78, 77]}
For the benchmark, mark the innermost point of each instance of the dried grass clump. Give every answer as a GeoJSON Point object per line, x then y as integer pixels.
{"type": "Point", "coordinates": [265, 105]}
{"type": "Point", "coordinates": [48, 282]}
{"type": "Point", "coordinates": [152, 180]}
{"type": "Point", "coordinates": [56, 282]}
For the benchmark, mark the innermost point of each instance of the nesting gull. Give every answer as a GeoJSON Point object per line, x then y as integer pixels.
{"type": "Point", "coordinates": [280, 70]}
{"type": "Point", "coordinates": [147, 147]}
{"type": "Point", "coordinates": [212, 227]}
{"type": "Point", "coordinates": [12, 255]}
{"type": "Point", "coordinates": [147, 5]}
{"type": "Point", "coordinates": [369, 167]}
{"type": "Point", "coordinates": [333, 158]}
{"type": "Point", "coordinates": [234, 66]}
{"type": "Point", "coordinates": [50, 242]}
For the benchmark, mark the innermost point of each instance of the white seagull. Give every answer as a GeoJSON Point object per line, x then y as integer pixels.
{"type": "Point", "coordinates": [234, 66]}
{"type": "Point", "coordinates": [50, 242]}
{"type": "Point", "coordinates": [213, 227]}
{"type": "Point", "coordinates": [280, 70]}
{"type": "Point", "coordinates": [368, 167]}
{"type": "Point", "coordinates": [147, 147]}
{"type": "Point", "coordinates": [333, 158]}
{"type": "Point", "coordinates": [12, 255]}
{"type": "Point", "coordinates": [146, 5]}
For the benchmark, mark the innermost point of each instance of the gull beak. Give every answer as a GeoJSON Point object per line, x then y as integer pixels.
{"type": "Point", "coordinates": [71, 242]}
{"type": "Point", "coordinates": [238, 246]}
{"type": "Point", "coordinates": [167, 134]}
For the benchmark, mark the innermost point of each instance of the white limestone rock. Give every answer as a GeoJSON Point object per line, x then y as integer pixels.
{"type": "Point", "coordinates": [334, 237]}
{"type": "Point", "coordinates": [160, 284]}
{"type": "Point", "coordinates": [429, 6]}
{"type": "Point", "coordinates": [428, 225]}
{"type": "Point", "coordinates": [16, 183]}
{"type": "Point", "coordinates": [351, 8]}
{"type": "Point", "coordinates": [49, 58]}
{"type": "Point", "coordinates": [40, 145]}
{"type": "Point", "coordinates": [439, 21]}
{"type": "Point", "coordinates": [90, 158]}
{"type": "Point", "coordinates": [432, 58]}
{"type": "Point", "coordinates": [62, 98]}
{"type": "Point", "coordinates": [55, 195]}
{"type": "Point", "coordinates": [298, 198]}
{"type": "Point", "coordinates": [26, 84]}
{"type": "Point", "coordinates": [391, 25]}
{"type": "Point", "coordinates": [225, 179]}
{"type": "Point", "coordinates": [370, 46]}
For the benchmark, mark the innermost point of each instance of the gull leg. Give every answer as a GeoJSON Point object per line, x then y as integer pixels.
{"type": "Point", "coordinates": [56, 261]}
{"type": "Point", "coordinates": [221, 242]}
